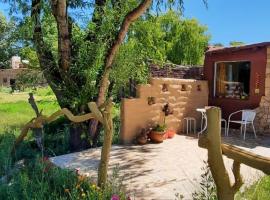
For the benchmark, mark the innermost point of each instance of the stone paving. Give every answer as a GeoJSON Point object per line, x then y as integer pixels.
{"type": "Point", "coordinates": [159, 171]}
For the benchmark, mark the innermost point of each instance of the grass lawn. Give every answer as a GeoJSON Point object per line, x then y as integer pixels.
{"type": "Point", "coordinates": [15, 110]}
{"type": "Point", "coordinates": [258, 191]}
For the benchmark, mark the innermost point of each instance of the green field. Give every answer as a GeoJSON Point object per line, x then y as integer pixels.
{"type": "Point", "coordinates": [15, 110]}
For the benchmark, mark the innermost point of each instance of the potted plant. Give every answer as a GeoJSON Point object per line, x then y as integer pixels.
{"type": "Point", "coordinates": [157, 133]}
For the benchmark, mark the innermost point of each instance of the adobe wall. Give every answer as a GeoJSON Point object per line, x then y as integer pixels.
{"type": "Point", "coordinates": [7, 74]}
{"type": "Point", "coordinates": [183, 96]}
{"type": "Point", "coordinates": [262, 120]}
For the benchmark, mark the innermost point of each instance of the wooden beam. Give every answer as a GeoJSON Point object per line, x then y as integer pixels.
{"type": "Point", "coordinates": [243, 156]}
{"type": "Point", "coordinates": [246, 157]}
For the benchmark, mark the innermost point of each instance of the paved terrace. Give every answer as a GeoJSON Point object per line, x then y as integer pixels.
{"type": "Point", "coordinates": [159, 171]}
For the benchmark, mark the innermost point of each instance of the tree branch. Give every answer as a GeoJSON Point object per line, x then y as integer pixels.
{"type": "Point", "coordinates": [129, 18]}
{"type": "Point", "coordinates": [46, 60]}
{"type": "Point", "coordinates": [237, 176]}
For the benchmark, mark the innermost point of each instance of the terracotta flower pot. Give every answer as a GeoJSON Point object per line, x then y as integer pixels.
{"type": "Point", "coordinates": [165, 136]}
{"type": "Point", "coordinates": [170, 133]}
{"type": "Point", "coordinates": [156, 136]}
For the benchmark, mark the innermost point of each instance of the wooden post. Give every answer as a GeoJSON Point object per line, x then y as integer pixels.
{"type": "Point", "coordinates": [107, 143]}
{"type": "Point", "coordinates": [224, 189]}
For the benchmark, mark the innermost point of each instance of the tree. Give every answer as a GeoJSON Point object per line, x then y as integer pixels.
{"type": "Point", "coordinates": [218, 45]}
{"type": "Point", "coordinates": [78, 72]}
{"type": "Point", "coordinates": [159, 38]}
{"type": "Point", "coordinates": [7, 49]}
{"type": "Point", "coordinates": [236, 43]}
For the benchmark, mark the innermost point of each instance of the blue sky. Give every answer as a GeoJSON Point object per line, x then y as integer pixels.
{"type": "Point", "coordinates": [228, 20]}
{"type": "Point", "coordinates": [233, 20]}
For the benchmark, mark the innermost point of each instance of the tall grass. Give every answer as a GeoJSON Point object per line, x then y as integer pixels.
{"type": "Point", "coordinates": [37, 178]}
{"type": "Point", "coordinates": [15, 110]}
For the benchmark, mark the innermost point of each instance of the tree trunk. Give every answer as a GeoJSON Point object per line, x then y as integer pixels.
{"type": "Point", "coordinates": [106, 148]}
{"type": "Point", "coordinates": [224, 189]}
{"type": "Point", "coordinates": [59, 8]}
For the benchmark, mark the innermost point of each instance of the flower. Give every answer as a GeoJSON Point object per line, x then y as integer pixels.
{"type": "Point", "coordinates": [115, 197]}
{"type": "Point", "coordinates": [77, 170]}
{"type": "Point", "coordinates": [83, 195]}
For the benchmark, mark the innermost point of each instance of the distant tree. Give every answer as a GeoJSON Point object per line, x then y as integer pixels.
{"type": "Point", "coordinates": [7, 49]}
{"type": "Point", "coordinates": [160, 38]}
{"type": "Point", "coordinates": [189, 43]}
{"type": "Point", "coordinates": [218, 45]}
{"type": "Point", "coordinates": [236, 43]}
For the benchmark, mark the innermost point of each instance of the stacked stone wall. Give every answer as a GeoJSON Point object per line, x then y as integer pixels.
{"type": "Point", "coordinates": [177, 71]}
{"type": "Point", "coordinates": [184, 96]}
{"type": "Point", "coordinates": [262, 121]}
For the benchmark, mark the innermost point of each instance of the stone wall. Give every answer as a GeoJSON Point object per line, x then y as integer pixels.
{"type": "Point", "coordinates": [177, 71]}
{"type": "Point", "coordinates": [182, 95]}
{"type": "Point", "coordinates": [262, 121]}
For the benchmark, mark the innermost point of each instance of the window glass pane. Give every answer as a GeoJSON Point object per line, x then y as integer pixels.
{"type": "Point", "coordinates": [232, 80]}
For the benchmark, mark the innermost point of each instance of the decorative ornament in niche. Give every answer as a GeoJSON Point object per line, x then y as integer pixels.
{"type": "Point", "coordinates": [165, 87]}
{"type": "Point", "coordinates": [167, 109]}
{"type": "Point", "coordinates": [151, 100]}
{"type": "Point", "coordinates": [199, 88]}
{"type": "Point", "coordinates": [183, 87]}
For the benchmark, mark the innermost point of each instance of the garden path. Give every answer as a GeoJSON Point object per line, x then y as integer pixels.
{"type": "Point", "coordinates": [159, 171]}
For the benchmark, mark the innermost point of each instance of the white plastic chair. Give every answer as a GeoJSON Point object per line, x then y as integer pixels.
{"type": "Point", "coordinates": [248, 117]}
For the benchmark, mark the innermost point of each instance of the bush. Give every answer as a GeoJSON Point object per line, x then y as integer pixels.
{"type": "Point", "coordinates": [41, 180]}
{"type": "Point", "coordinates": [208, 190]}
{"type": "Point", "coordinates": [38, 178]}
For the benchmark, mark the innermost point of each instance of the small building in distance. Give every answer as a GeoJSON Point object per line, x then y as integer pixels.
{"type": "Point", "coordinates": [8, 76]}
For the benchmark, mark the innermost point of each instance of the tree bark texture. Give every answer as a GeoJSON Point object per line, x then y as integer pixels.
{"type": "Point", "coordinates": [106, 148]}
{"type": "Point", "coordinates": [215, 160]}
{"type": "Point", "coordinates": [59, 10]}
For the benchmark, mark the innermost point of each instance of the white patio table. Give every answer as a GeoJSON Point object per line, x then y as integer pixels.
{"type": "Point", "coordinates": [203, 120]}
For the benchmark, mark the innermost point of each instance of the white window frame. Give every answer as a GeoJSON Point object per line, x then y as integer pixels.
{"type": "Point", "coordinates": [227, 61]}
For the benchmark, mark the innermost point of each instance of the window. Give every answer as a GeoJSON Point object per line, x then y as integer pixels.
{"type": "Point", "coordinates": [232, 80]}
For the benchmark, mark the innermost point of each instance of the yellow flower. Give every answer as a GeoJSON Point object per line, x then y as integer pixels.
{"type": "Point", "coordinates": [83, 195]}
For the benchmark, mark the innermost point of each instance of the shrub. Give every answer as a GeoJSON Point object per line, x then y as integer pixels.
{"type": "Point", "coordinates": [208, 190]}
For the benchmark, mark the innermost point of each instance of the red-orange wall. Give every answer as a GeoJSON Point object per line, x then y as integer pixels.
{"type": "Point", "coordinates": [258, 58]}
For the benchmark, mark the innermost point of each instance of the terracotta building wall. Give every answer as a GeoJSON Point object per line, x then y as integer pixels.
{"type": "Point", "coordinates": [136, 113]}
{"type": "Point", "coordinates": [258, 59]}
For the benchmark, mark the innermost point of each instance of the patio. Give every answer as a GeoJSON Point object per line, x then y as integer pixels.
{"type": "Point", "coordinates": [159, 171]}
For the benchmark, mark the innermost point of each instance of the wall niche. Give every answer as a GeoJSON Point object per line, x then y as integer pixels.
{"type": "Point", "coordinates": [165, 87]}
{"type": "Point", "coordinates": [151, 100]}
